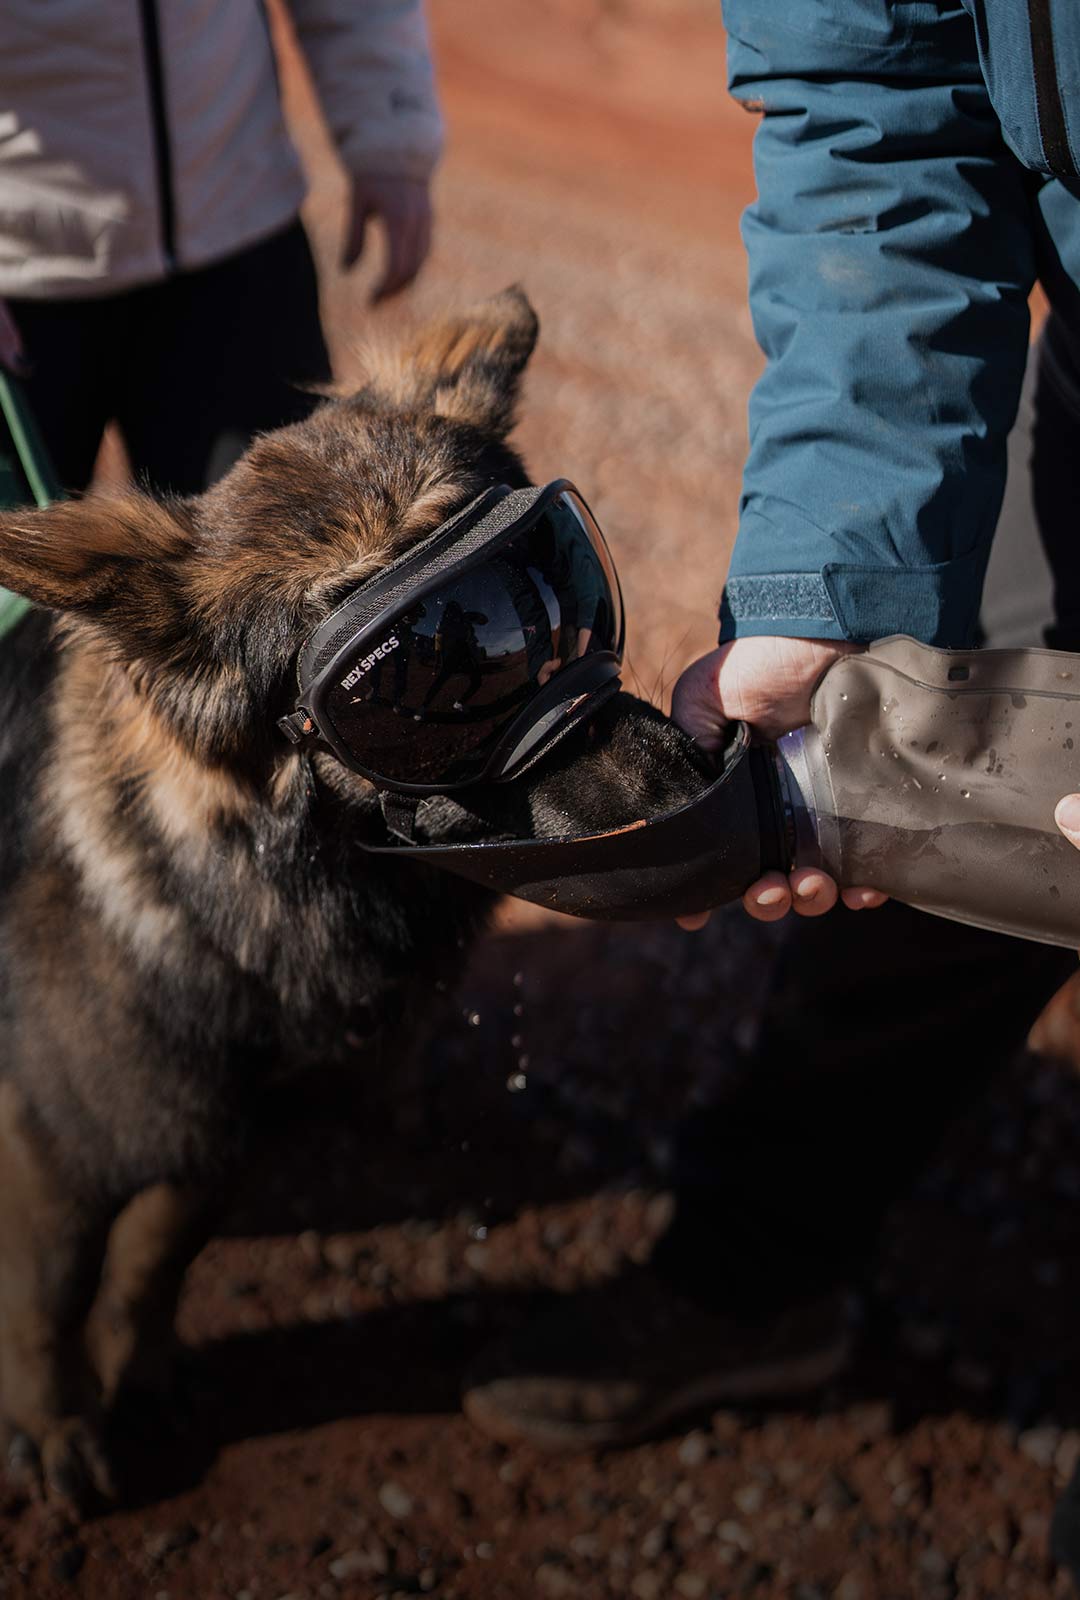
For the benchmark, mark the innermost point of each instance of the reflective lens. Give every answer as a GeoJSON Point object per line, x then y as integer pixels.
{"type": "Point", "coordinates": [425, 699]}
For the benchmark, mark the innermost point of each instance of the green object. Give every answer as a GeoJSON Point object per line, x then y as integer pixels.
{"type": "Point", "coordinates": [26, 475]}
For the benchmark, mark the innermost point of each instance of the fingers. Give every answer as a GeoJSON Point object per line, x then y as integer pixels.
{"type": "Point", "coordinates": [408, 239]}
{"type": "Point", "coordinates": [863, 899]}
{"type": "Point", "coordinates": [808, 892]}
{"type": "Point", "coordinates": [812, 892]}
{"type": "Point", "coordinates": [768, 899]}
{"type": "Point", "coordinates": [404, 207]}
{"type": "Point", "coordinates": [692, 924]}
{"type": "Point", "coordinates": [696, 705]}
{"type": "Point", "coordinates": [1067, 817]}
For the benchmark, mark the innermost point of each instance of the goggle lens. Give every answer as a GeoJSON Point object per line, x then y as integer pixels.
{"type": "Point", "coordinates": [426, 701]}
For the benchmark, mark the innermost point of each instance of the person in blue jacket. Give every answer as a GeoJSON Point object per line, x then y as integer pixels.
{"type": "Point", "coordinates": [918, 170]}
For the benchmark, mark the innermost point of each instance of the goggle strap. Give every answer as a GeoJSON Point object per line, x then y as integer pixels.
{"type": "Point", "coordinates": [399, 814]}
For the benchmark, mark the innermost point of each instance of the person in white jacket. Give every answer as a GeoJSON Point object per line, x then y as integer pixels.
{"type": "Point", "coordinates": [153, 268]}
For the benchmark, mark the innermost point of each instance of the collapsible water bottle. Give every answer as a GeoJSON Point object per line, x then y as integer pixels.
{"type": "Point", "coordinates": [933, 775]}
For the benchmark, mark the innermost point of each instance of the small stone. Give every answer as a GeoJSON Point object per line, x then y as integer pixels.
{"type": "Point", "coordinates": [934, 1564]}
{"type": "Point", "coordinates": [485, 1550]}
{"type": "Point", "coordinates": [340, 1253]}
{"type": "Point", "coordinates": [163, 1543]}
{"type": "Point", "coordinates": [734, 1533]}
{"type": "Point", "coordinates": [647, 1586]}
{"type": "Point", "coordinates": [655, 1543]}
{"type": "Point", "coordinates": [395, 1500]}
{"type": "Point", "coordinates": [749, 1498]}
{"type": "Point", "coordinates": [356, 1563]}
{"type": "Point", "coordinates": [1040, 1444]}
{"type": "Point", "coordinates": [694, 1449]}
{"type": "Point", "coordinates": [586, 1545]}
{"type": "Point", "coordinates": [849, 1588]}
{"type": "Point", "coordinates": [871, 1421]}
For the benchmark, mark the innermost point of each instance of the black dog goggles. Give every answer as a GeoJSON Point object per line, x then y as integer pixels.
{"type": "Point", "coordinates": [470, 655]}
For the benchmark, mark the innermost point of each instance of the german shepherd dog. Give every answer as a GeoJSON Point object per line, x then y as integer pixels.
{"type": "Point", "coordinates": [186, 911]}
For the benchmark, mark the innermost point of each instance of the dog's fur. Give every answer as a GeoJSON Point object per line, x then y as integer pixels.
{"type": "Point", "coordinates": [186, 912]}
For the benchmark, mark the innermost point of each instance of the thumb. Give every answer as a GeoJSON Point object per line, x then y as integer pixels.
{"type": "Point", "coordinates": [1067, 817]}
{"type": "Point", "coordinates": [696, 705]}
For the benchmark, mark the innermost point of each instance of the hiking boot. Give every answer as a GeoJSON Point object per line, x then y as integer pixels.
{"type": "Point", "coordinates": [617, 1364]}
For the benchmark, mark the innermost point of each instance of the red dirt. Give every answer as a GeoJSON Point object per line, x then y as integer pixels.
{"type": "Point", "coordinates": [317, 1448]}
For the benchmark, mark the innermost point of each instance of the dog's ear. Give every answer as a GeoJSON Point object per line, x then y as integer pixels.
{"type": "Point", "coordinates": [84, 556]}
{"type": "Point", "coordinates": [469, 366]}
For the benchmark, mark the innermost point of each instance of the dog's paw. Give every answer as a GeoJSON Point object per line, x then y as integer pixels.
{"type": "Point", "coordinates": [65, 1465]}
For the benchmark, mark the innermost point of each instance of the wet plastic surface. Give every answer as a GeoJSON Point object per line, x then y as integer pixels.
{"type": "Point", "coordinates": [942, 770]}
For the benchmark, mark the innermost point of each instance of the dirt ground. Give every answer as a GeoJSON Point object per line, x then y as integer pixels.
{"type": "Point", "coordinates": [315, 1448]}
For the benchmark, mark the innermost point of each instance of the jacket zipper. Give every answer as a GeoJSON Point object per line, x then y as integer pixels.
{"type": "Point", "coordinates": [160, 121]}
{"type": "Point", "coordinates": [1052, 129]}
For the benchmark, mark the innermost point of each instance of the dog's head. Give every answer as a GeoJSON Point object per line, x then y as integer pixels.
{"type": "Point", "coordinates": [205, 602]}
{"type": "Point", "coordinates": [198, 607]}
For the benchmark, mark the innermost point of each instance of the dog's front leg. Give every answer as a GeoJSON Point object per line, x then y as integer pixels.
{"type": "Point", "coordinates": [151, 1245]}
{"type": "Point", "coordinates": [52, 1242]}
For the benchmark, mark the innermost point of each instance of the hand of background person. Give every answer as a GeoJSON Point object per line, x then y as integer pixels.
{"type": "Point", "coordinates": [403, 205]}
{"type": "Point", "coordinates": [12, 352]}
{"type": "Point", "coordinates": [766, 682]}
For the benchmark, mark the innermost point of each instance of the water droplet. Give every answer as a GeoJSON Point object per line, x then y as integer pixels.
{"type": "Point", "coordinates": [843, 697]}
{"type": "Point", "coordinates": [477, 1230]}
{"type": "Point", "coordinates": [472, 1018]}
{"type": "Point", "coordinates": [516, 1041]}
{"type": "Point", "coordinates": [519, 979]}
{"type": "Point", "coordinates": [941, 777]}
{"type": "Point", "coordinates": [965, 794]}
{"type": "Point", "coordinates": [519, 1011]}
{"type": "Point", "coordinates": [523, 1062]}
{"type": "Point", "coordinates": [516, 1082]}
{"type": "Point", "coordinates": [1064, 676]}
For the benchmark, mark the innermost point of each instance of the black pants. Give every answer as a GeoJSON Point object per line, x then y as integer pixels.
{"type": "Point", "coordinates": [189, 368]}
{"type": "Point", "coordinates": [883, 1025]}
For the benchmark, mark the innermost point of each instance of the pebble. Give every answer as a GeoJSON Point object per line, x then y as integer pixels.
{"type": "Point", "coordinates": [734, 1533]}
{"type": "Point", "coordinates": [690, 1585]}
{"type": "Point", "coordinates": [587, 1545]}
{"type": "Point", "coordinates": [694, 1449]}
{"type": "Point", "coordinates": [166, 1540]}
{"type": "Point", "coordinates": [395, 1500]}
{"type": "Point", "coordinates": [647, 1586]}
{"type": "Point", "coordinates": [849, 1588]}
{"type": "Point", "coordinates": [749, 1498]}
{"type": "Point", "coordinates": [355, 1563]}
{"type": "Point", "coordinates": [1040, 1444]}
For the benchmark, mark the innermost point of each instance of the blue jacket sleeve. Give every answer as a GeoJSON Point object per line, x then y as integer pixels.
{"type": "Point", "coordinates": [891, 257]}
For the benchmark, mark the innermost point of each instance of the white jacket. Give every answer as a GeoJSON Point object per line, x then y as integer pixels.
{"type": "Point", "coordinates": [142, 136]}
